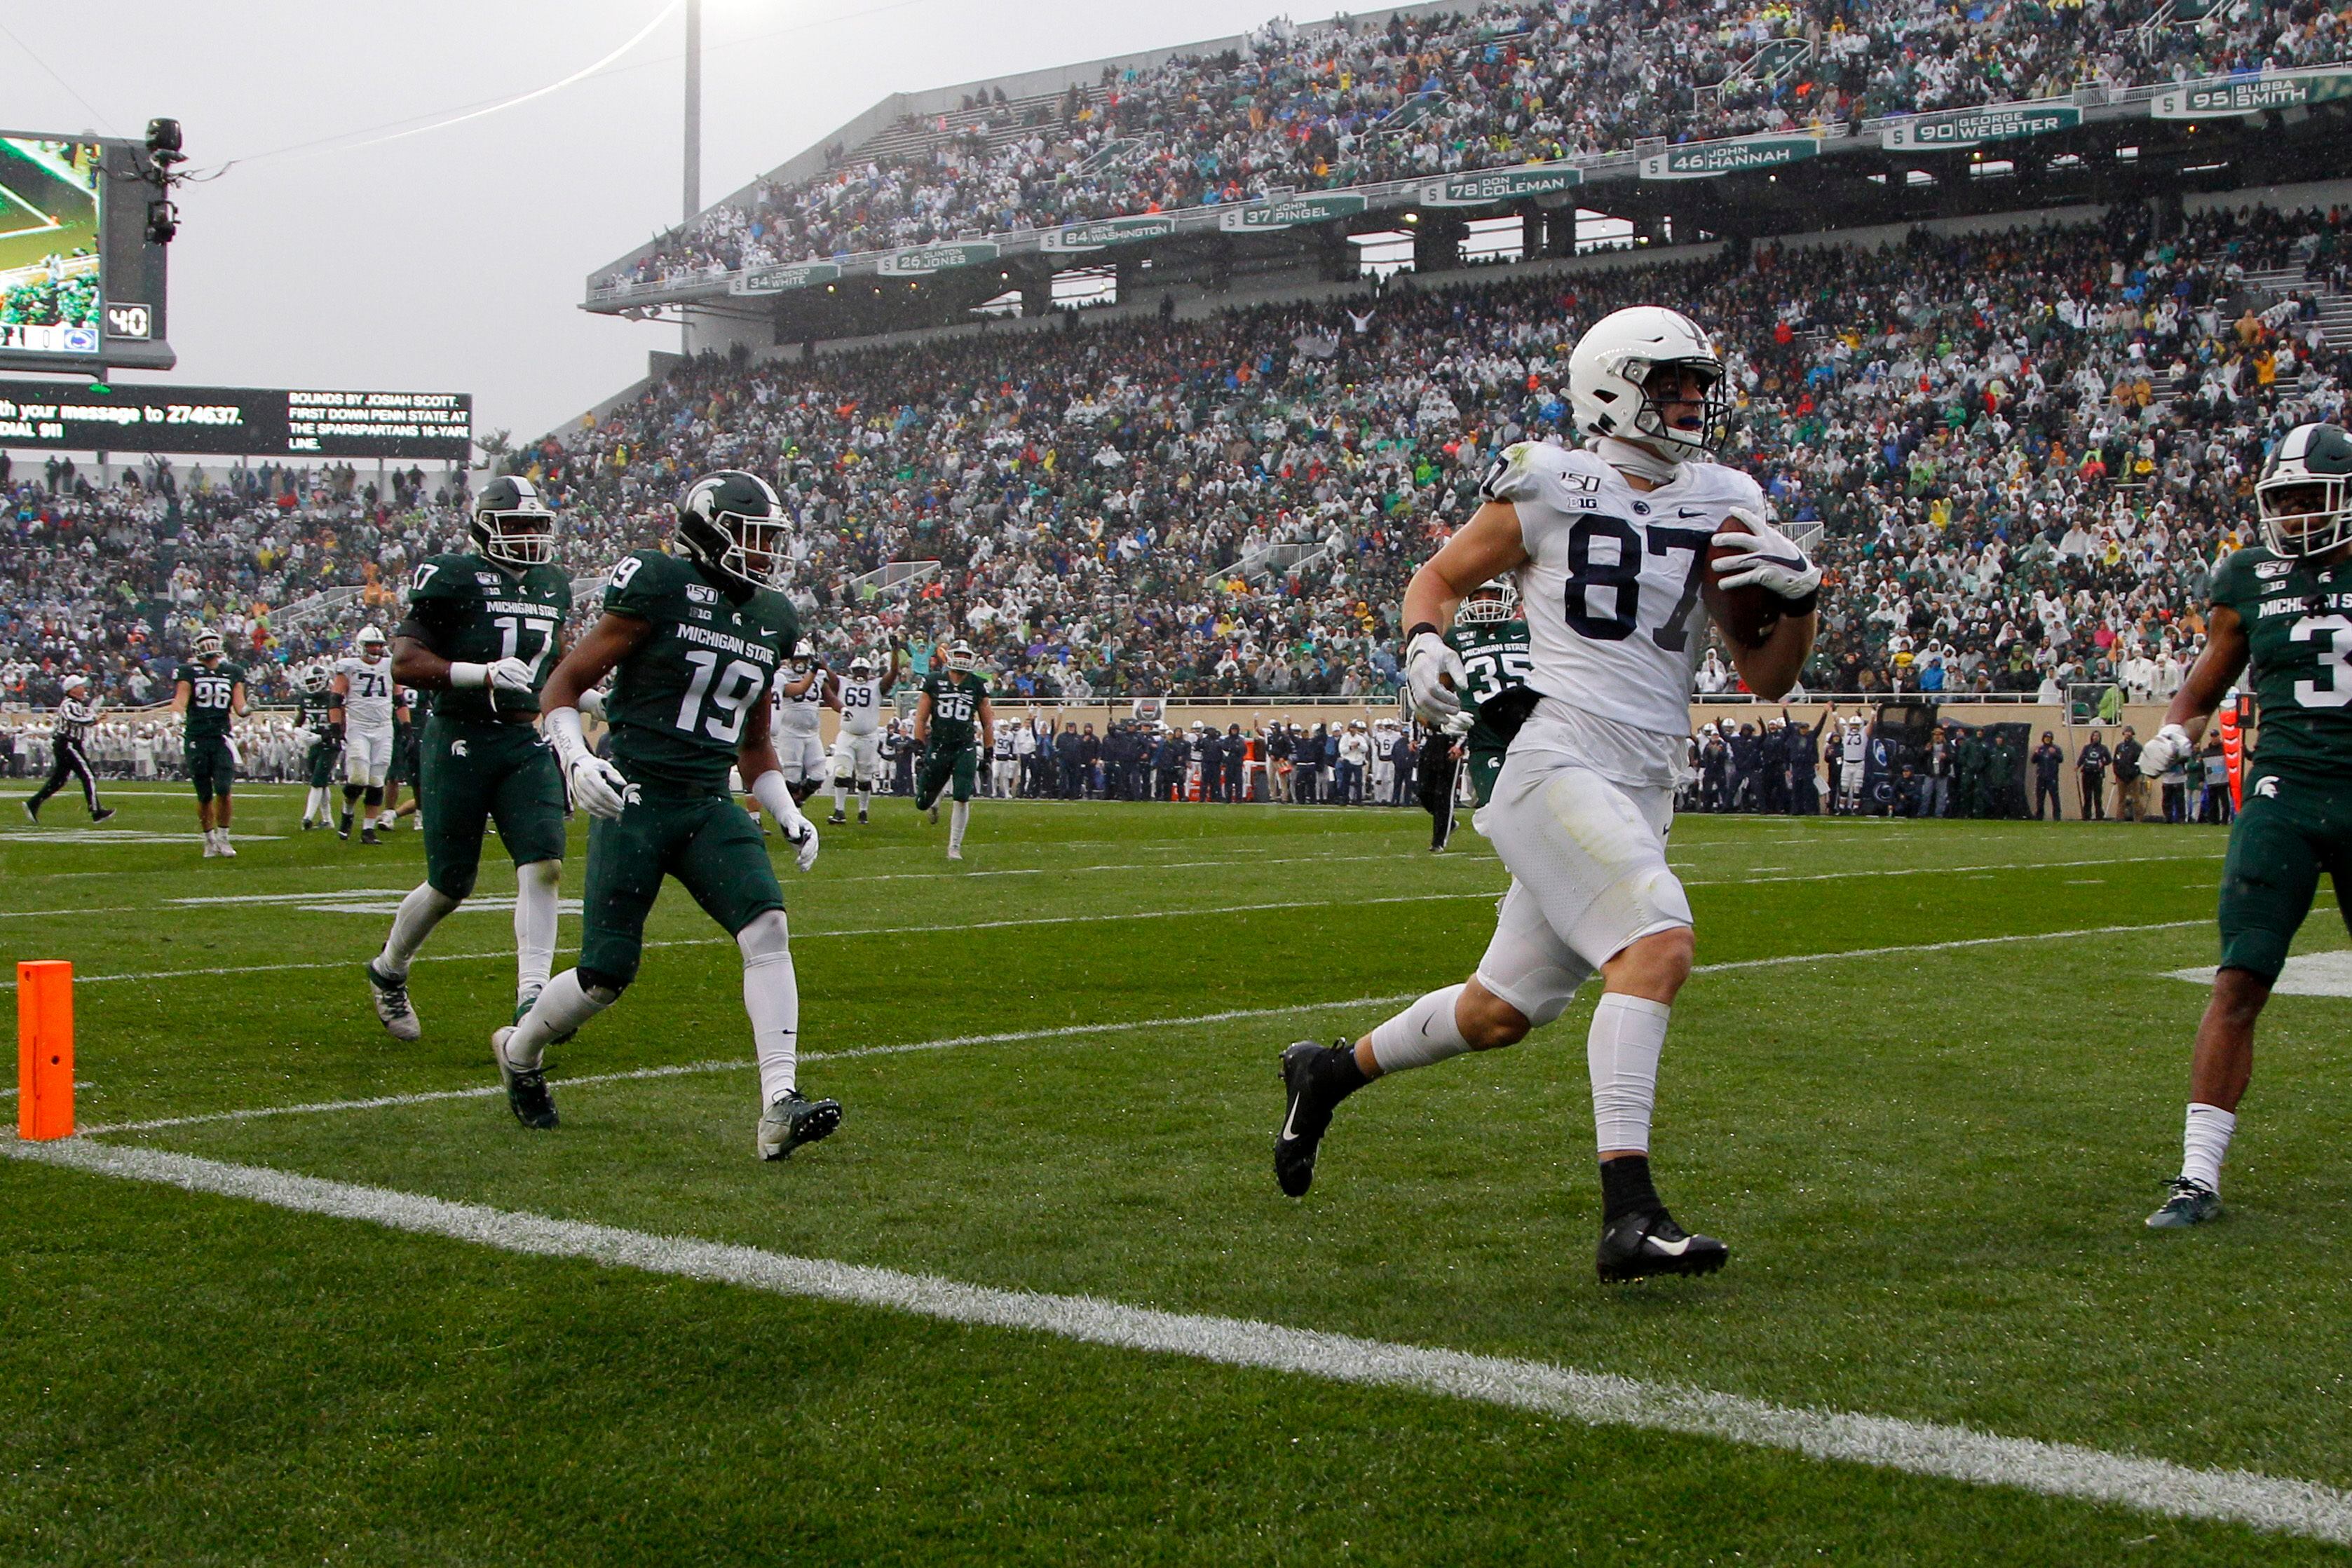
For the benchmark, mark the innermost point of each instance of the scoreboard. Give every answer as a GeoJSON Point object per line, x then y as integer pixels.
{"type": "Point", "coordinates": [236, 422]}
{"type": "Point", "coordinates": [81, 269]}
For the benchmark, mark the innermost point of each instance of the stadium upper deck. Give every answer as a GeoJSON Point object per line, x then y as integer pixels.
{"type": "Point", "coordinates": [1267, 151]}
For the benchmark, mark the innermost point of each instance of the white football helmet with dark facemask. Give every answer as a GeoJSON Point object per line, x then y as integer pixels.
{"type": "Point", "coordinates": [961, 659]}
{"type": "Point", "coordinates": [1609, 389]}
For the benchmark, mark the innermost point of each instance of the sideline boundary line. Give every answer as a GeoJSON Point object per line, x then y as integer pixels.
{"type": "Point", "coordinates": [2268, 1504]}
{"type": "Point", "coordinates": [1065, 1031]}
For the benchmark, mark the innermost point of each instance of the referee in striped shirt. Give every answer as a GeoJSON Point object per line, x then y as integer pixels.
{"type": "Point", "coordinates": [71, 736]}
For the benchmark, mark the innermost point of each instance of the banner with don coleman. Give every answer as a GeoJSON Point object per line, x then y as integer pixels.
{"type": "Point", "coordinates": [1712, 159]}
{"type": "Point", "coordinates": [1490, 185]}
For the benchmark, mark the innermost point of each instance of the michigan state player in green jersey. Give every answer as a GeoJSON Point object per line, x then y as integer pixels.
{"type": "Point", "coordinates": [1493, 642]}
{"type": "Point", "coordinates": [697, 639]}
{"type": "Point", "coordinates": [953, 724]}
{"type": "Point", "coordinates": [210, 693]}
{"type": "Point", "coordinates": [483, 630]}
{"type": "Point", "coordinates": [317, 717]}
{"type": "Point", "coordinates": [2285, 609]}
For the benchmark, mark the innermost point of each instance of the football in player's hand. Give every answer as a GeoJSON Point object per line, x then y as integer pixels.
{"type": "Point", "coordinates": [1746, 615]}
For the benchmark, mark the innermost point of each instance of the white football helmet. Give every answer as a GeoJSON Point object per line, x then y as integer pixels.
{"type": "Point", "coordinates": [370, 642]}
{"type": "Point", "coordinates": [311, 679]}
{"type": "Point", "coordinates": [861, 667]}
{"type": "Point", "coordinates": [2306, 492]}
{"type": "Point", "coordinates": [961, 659]}
{"type": "Point", "coordinates": [208, 644]}
{"type": "Point", "coordinates": [1489, 603]}
{"type": "Point", "coordinates": [1608, 372]}
{"type": "Point", "coordinates": [803, 655]}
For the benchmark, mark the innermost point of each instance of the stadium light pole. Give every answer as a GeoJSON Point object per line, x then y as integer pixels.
{"type": "Point", "coordinates": [693, 142]}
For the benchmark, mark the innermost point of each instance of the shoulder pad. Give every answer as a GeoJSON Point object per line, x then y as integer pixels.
{"type": "Point", "coordinates": [1523, 470]}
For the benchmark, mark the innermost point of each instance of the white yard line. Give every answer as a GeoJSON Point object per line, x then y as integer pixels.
{"type": "Point", "coordinates": [1944, 1452]}
{"type": "Point", "coordinates": [743, 1064]}
{"type": "Point", "coordinates": [1067, 1032]}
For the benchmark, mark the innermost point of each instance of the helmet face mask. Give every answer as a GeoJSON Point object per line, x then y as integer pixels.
{"type": "Point", "coordinates": [730, 524]}
{"type": "Point", "coordinates": [208, 644]}
{"type": "Point", "coordinates": [370, 642]}
{"type": "Point", "coordinates": [1489, 603]}
{"type": "Point", "coordinates": [2304, 496]}
{"type": "Point", "coordinates": [514, 525]}
{"type": "Point", "coordinates": [961, 659]}
{"type": "Point", "coordinates": [1630, 368]}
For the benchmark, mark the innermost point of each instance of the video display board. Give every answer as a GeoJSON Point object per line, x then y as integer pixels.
{"type": "Point", "coordinates": [251, 421]}
{"type": "Point", "coordinates": [52, 240]}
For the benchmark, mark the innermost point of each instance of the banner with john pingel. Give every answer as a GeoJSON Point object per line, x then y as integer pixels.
{"type": "Point", "coordinates": [1975, 126]}
{"type": "Point", "coordinates": [1713, 160]}
{"type": "Point", "coordinates": [1492, 186]}
{"type": "Point", "coordinates": [1292, 212]}
{"type": "Point", "coordinates": [2228, 97]}
{"type": "Point", "coordinates": [783, 279]}
{"type": "Point", "coordinates": [1106, 232]}
{"type": "Point", "coordinates": [922, 260]}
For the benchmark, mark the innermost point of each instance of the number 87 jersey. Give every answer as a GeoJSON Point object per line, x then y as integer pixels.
{"type": "Point", "coordinates": [679, 702]}
{"type": "Point", "coordinates": [1611, 593]}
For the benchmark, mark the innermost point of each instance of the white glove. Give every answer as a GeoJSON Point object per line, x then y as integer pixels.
{"type": "Point", "coordinates": [592, 703]}
{"type": "Point", "coordinates": [1429, 663]}
{"type": "Point", "coordinates": [597, 787]}
{"type": "Point", "coordinates": [511, 676]}
{"type": "Point", "coordinates": [768, 790]}
{"type": "Point", "coordinates": [2166, 749]}
{"type": "Point", "coordinates": [1771, 562]}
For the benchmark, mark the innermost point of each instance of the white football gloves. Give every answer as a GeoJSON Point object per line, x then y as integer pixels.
{"type": "Point", "coordinates": [1429, 665]}
{"type": "Point", "coordinates": [596, 786]}
{"type": "Point", "coordinates": [774, 799]}
{"type": "Point", "coordinates": [2166, 749]}
{"type": "Point", "coordinates": [1772, 562]}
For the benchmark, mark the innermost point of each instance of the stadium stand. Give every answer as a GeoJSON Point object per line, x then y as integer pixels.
{"type": "Point", "coordinates": [2023, 447]}
{"type": "Point", "coordinates": [1286, 109]}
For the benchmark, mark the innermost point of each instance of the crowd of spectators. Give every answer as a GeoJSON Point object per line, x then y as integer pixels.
{"type": "Point", "coordinates": [2023, 450]}
{"type": "Point", "coordinates": [1490, 86]}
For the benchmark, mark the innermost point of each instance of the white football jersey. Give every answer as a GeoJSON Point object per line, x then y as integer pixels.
{"type": "Point", "coordinates": [800, 715]}
{"type": "Point", "coordinates": [367, 696]}
{"type": "Point", "coordinates": [861, 706]}
{"type": "Point", "coordinates": [1611, 590]}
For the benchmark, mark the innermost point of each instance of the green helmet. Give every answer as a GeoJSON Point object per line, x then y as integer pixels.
{"type": "Point", "coordinates": [2302, 494]}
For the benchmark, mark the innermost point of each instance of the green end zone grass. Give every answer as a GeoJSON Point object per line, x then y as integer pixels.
{"type": "Point", "coordinates": [1931, 1166]}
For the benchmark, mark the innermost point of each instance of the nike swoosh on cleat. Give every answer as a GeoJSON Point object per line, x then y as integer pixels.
{"type": "Point", "coordinates": [1290, 1123]}
{"type": "Point", "coordinates": [1671, 1249]}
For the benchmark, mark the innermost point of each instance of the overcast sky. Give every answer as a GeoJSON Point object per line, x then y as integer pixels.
{"type": "Point", "coordinates": [454, 261]}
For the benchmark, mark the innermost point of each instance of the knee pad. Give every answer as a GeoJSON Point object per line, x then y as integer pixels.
{"type": "Point", "coordinates": [602, 988]}
{"type": "Point", "coordinates": [767, 936]}
{"type": "Point", "coordinates": [375, 794]}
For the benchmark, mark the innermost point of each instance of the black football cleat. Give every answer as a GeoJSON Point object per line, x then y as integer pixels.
{"type": "Point", "coordinates": [32, 809]}
{"type": "Point", "coordinates": [101, 814]}
{"type": "Point", "coordinates": [527, 1095]}
{"type": "Point", "coordinates": [367, 836]}
{"type": "Point", "coordinates": [1314, 1081]}
{"type": "Point", "coordinates": [1635, 1246]}
{"type": "Point", "coordinates": [792, 1119]}
{"type": "Point", "coordinates": [836, 821]}
{"type": "Point", "coordinates": [343, 828]}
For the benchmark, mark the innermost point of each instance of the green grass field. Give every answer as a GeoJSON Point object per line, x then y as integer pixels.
{"type": "Point", "coordinates": [1927, 1085]}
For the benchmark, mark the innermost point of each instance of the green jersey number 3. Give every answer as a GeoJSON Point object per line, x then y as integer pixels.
{"type": "Point", "coordinates": [2331, 635]}
{"type": "Point", "coordinates": [730, 695]}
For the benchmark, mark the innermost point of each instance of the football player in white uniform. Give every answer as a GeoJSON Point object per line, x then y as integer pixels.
{"type": "Point", "coordinates": [364, 708]}
{"type": "Point", "coordinates": [857, 749]}
{"type": "Point", "coordinates": [797, 721]}
{"type": "Point", "coordinates": [1608, 544]}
